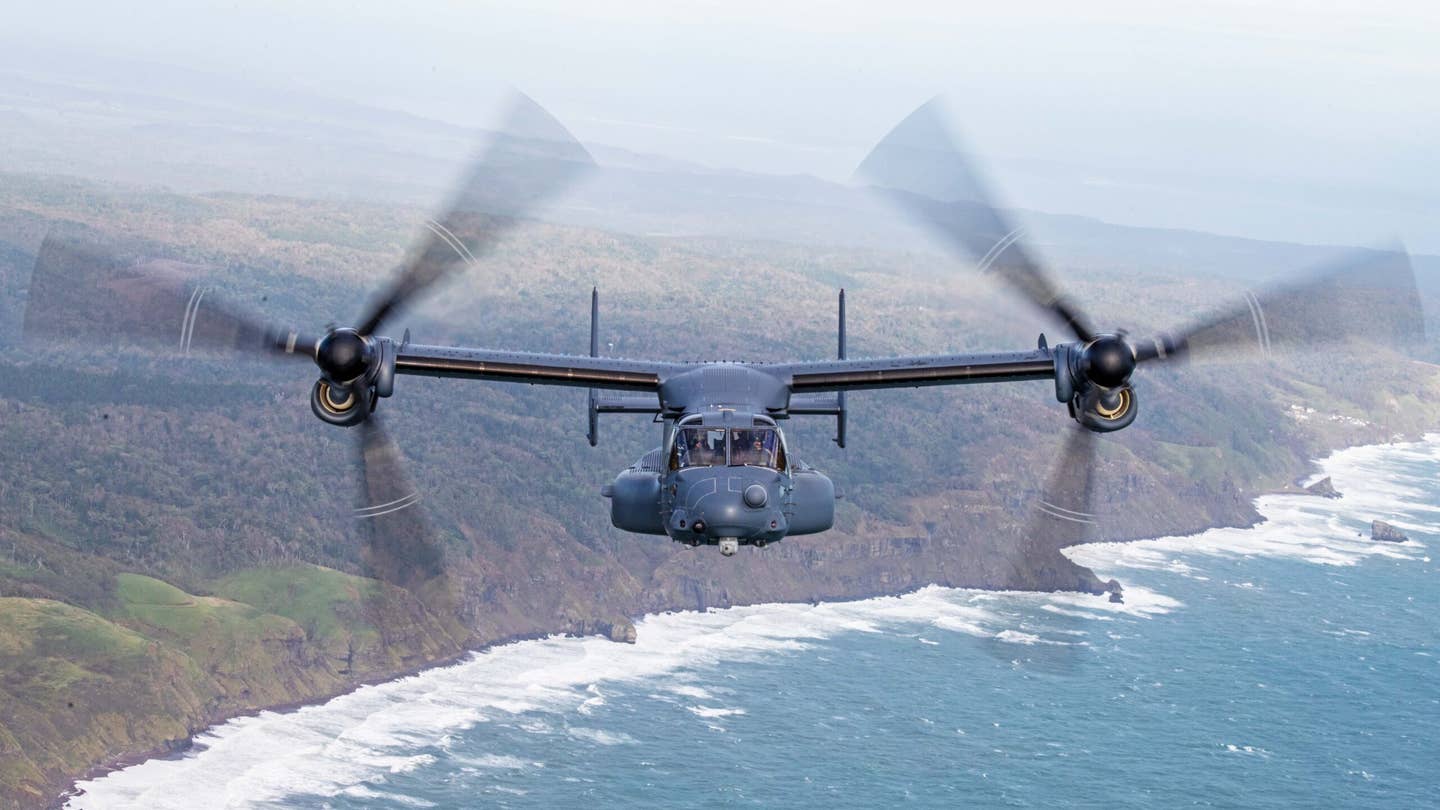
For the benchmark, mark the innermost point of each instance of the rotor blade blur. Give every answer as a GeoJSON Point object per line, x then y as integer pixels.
{"type": "Point", "coordinates": [1063, 515]}
{"type": "Point", "coordinates": [1370, 295]}
{"type": "Point", "coordinates": [82, 290]}
{"type": "Point", "coordinates": [530, 160]}
{"type": "Point", "coordinates": [400, 547]}
{"type": "Point", "coordinates": [919, 165]}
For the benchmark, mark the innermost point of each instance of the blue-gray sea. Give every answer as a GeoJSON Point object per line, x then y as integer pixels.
{"type": "Point", "coordinates": [1296, 663]}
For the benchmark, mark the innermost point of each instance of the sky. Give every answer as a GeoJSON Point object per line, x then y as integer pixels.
{"type": "Point", "coordinates": [1312, 121]}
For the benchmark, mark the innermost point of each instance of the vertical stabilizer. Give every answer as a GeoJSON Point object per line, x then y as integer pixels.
{"type": "Point", "coordinates": [593, 434]}
{"type": "Point", "coordinates": [840, 398]}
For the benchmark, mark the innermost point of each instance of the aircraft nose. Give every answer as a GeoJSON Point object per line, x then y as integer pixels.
{"type": "Point", "coordinates": [727, 515]}
{"type": "Point", "coordinates": [733, 504]}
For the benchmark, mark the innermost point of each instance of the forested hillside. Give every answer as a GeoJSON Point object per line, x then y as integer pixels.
{"type": "Point", "coordinates": [175, 539]}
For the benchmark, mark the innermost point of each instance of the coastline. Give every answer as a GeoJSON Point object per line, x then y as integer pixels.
{"type": "Point", "coordinates": [180, 748]}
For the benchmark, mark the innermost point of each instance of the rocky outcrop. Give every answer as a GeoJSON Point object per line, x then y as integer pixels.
{"type": "Point", "coordinates": [1384, 532]}
{"type": "Point", "coordinates": [620, 631]}
{"type": "Point", "coordinates": [154, 472]}
{"type": "Point", "coordinates": [1324, 488]}
{"type": "Point", "coordinates": [1117, 593]}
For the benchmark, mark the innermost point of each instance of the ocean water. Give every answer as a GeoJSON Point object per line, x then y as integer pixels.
{"type": "Point", "coordinates": [1296, 663]}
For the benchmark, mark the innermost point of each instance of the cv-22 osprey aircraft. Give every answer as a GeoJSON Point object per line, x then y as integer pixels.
{"type": "Point", "coordinates": [724, 474]}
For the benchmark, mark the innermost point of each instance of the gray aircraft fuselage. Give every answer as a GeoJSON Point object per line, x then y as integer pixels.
{"type": "Point", "coordinates": [745, 486]}
{"type": "Point", "coordinates": [723, 476]}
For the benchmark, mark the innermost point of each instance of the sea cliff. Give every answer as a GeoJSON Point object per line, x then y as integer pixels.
{"type": "Point", "coordinates": [175, 543]}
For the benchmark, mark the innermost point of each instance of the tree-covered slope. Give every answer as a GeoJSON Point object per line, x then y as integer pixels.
{"type": "Point", "coordinates": [175, 538]}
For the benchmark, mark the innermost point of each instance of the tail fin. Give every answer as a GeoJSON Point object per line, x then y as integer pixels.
{"type": "Point", "coordinates": [593, 434]}
{"type": "Point", "coordinates": [840, 416]}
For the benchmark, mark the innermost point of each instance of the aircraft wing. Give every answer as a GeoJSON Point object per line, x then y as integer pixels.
{"type": "Point", "coordinates": [531, 367]}
{"type": "Point", "coordinates": [913, 372]}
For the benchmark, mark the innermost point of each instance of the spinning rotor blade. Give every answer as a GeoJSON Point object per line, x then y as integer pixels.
{"type": "Point", "coordinates": [531, 159]}
{"type": "Point", "coordinates": [1370, 295]}
{"type": "Point", "coordinates": [399, 546]}
{"type": "Point", "coordinates": [1063, 516]}
{"type": "Point", "coordinates": [80, 289]}
{"type": "Point", "coordinates": [919, 164]}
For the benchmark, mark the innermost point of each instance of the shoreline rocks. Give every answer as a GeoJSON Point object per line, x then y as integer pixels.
{"type": "Point", "coordinates": [618, 630]}
{"type": "Point", "coordinates": [1323, 488]}
{"type": "Point", "coordinates": [1385, 533]}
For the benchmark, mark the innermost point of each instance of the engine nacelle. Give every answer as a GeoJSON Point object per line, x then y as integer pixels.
{"type": "Point", "coordinates": [635, 502]}
{"type": "Point", "coordinates": [339, 405]}
{"type": "Point", "coordinates": [812, 502]}
{"type": "Point", "coordinates": [1093, 380]}
{"type": "Point", "coordinates": [1104, 409]}
{"type": "Point", "coordinates": [347, 404]}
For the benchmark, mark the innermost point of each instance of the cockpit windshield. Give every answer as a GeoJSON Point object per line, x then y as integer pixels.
{"type": "Point", "coordinates": [706, 447]}
{"type": "Point", "coordinates": [755, 447]}
{"type": "Point", "coordinates": [699, 447]}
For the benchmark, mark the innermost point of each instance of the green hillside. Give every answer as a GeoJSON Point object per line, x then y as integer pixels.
{"type": "Point", "coordinates": [175, 538]}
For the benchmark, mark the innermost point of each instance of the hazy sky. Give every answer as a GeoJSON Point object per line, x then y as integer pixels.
{"type": "Point", "coordinates": [1306, 120]}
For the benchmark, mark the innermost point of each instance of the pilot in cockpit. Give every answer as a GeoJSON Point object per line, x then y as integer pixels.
{"type": "Point", "coordinates": [700, 455]}
{"type": "Point", "coordinates": [748, 447]}
{"type": "Point", "coordinates": [701, 448]}
{"type": "Point", "coordinates": [759, 453]}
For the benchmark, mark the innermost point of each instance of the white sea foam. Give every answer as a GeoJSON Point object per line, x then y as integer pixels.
{"type": "Point", "coordinates": [711, 713]}
{"type": "Point", "coordinates": [349, 745]}
{"type": "Point", "coordinates": [362, 792]}
{"type": "Point", "coordinates": [1018, 637]}
{"type": "Point", "coordinates": [354, 741]}
{"type": "Point", "coordinates": [1384, 482]}
{"type": "Point", "coordinates": [600, 736]}
{"type": "Point", "coordinates": [690, 691]}
{"type": "Point", "coordinates": [496, 762]}
{"type": "Point", "coordinates": [1078, 614]}
{"type": "Point", "coordinates": [594, 702]}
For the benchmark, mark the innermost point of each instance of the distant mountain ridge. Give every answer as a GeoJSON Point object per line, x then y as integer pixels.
{"type": "Point", "coordinates": [173, 550]}
{"type": "Point", "coordinates": [202, 132]}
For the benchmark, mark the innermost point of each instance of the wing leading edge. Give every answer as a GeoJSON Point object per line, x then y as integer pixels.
{"type": "Point", "coordinates": [912, 372]}
{"type": "Point", "coordinates": [616, 374]}
{"type": "Point", "coordinates": [575, 371]}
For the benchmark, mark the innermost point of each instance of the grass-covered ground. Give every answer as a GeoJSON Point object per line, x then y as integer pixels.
{"type": "Point", "coordinates": [175, 543]}
{"type": "Point", "coordinates": [78, 687]}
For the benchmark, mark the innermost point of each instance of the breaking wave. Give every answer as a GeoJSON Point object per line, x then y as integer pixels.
{"type": "Point", "coordinates": [349, 746]}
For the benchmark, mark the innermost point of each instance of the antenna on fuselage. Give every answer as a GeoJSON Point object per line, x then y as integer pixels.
{"type": "Point", "coordinates": [840, 397]}
{"type": "Point", "coordinates": [593, 435]}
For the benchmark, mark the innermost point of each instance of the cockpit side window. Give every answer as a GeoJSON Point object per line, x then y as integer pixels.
{"type": "Point", "coordinates": [699, 447]}
{"type": "Point", "coordinates": [756, 447]}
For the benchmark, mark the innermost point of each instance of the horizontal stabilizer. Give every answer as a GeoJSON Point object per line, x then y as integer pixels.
{"type": "Point", "coordinates": [621, 403]}
{"type": "Point", "coordinates": [816, 405]}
